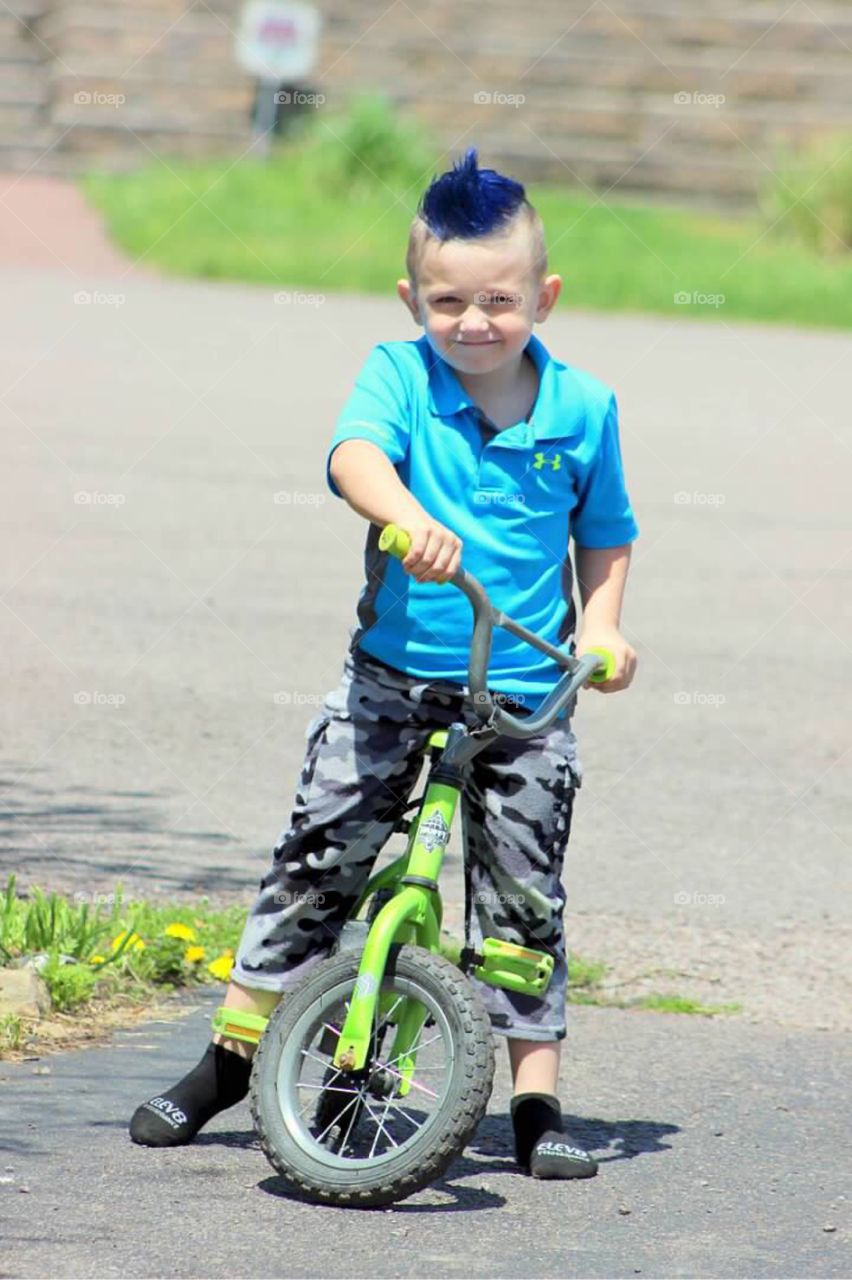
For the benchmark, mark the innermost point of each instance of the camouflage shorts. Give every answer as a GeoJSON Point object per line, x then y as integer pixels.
{"type": "Point", "coordinates": [361, 766]}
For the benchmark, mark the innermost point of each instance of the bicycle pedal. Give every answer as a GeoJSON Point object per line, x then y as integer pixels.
{"type": "Point", "coordinates": [505, 964]}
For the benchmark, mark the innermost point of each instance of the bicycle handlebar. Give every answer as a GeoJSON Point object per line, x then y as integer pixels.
{"type": "Point", "coordinates": [596, 665]}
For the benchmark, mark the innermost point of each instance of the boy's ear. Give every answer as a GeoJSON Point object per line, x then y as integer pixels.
{"type": "Point", "coordinates": [548, 292]}
{"type": "Point", "coordinates": [405, 289]}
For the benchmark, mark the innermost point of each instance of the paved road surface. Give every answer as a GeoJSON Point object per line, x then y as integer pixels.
{"type": "Point", "coordinates": [722, 1155]}
{"type": "Point", "coordinates": [168, 629]}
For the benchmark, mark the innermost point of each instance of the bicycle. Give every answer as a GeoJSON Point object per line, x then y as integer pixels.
{"type": "Point", "coordinates": [343, 1120]}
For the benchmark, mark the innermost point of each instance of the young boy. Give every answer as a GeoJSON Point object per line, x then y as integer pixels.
{"type": "Point", "coordinates": [475, 440]}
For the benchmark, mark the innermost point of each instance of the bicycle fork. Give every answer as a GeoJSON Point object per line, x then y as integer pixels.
{"type": "Point", "coordinates": [414, 914]}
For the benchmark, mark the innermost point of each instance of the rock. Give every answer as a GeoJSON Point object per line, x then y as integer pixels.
{"type": "Point", "coordinates": [23, 992]}
{"type": "Point", "coordinates": [38, 959]}
{"type": "Point", "coordinates": [829, 1226]}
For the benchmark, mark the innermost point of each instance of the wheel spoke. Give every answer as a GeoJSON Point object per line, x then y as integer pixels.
{"type": "Point", "coordinates": [384, 1109]}
{"type": "Point", "coordinates": [413, 1082]}
{"type": "Point", "coordinates": [381, 1127]}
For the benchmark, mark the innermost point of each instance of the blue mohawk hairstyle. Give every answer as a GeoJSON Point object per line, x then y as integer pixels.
{"type": "Point", "coordinates": [468, 201]}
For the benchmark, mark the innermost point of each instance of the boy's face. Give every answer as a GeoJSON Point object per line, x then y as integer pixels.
{"type": "Point", "coordinates": [478, 299]}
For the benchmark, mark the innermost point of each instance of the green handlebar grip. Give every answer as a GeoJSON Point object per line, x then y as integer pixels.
{"type": "Point", "coordinates": [395, 541]}
{"type": "Point", "coordinates": [608, 671]}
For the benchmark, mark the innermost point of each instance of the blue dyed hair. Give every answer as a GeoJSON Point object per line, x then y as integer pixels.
{"type": "Point", "coordinates": [467, 202]}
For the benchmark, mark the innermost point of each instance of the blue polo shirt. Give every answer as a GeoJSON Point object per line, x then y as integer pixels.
{"type": "Point", "coordinates": [514, 496]}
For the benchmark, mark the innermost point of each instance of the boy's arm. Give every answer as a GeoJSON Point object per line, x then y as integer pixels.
{"type": "Point", "coordinates": [601, 577]}
{"type": "Point", "coordinates": [368, 481]}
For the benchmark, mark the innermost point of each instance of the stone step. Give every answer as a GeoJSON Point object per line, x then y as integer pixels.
{"type": "Point", "coordinates": [31, 152]}
{"type": "Point", "coordinates": [145, 78]}
{"type": "Point", "coordinates": [25, 10]}
{"type": "Point", "coordinates": [143, 102]}
{"type": "Point", "coordinates": [574, 160]}
{"type": "Point", "coordinates": [23, 82]}
{"type": "Point", "coordinates": [84, 151]}
{"type": "Point", "coordinates": [777, 78]}
{"type": "Point", "coordinates": [121, 36]}
{"type": "Point", "coordinates": [504, 64]}
{"type": "Point", "coordinates": [612, 116]}
{"type": "Point", "coordinates": [18, 119]}
{"type": "Point", "coordinates": [101, 138]}
{"type": "Point", "coordinates": [17, 43]}
{"type": "Point", "coordinates": [653, 26]}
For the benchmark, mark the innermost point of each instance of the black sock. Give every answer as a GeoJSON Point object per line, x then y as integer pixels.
{"type": "Point", "coordinates": [173, 1117]}
{"type": "Point", "coordinates": [540, 1144]}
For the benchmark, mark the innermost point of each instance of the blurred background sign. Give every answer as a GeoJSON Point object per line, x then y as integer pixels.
{"type": "Point", "coordinates": [278, 42]}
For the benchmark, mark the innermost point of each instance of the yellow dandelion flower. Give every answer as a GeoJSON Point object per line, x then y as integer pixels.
{"type": "Point", "coordinates": [193, 954]}
{"type": "Point", "coordinates": [97, 959]}
{"type": "Point", "coordinates": [181, 931]}
{"type": "Point", "coordinates": [221, 967]}
{"type": "Point", "coordinates": [134, 941]}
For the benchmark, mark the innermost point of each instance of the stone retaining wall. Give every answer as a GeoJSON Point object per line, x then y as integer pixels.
{"type": "Point", "coordinates": [637, 94]}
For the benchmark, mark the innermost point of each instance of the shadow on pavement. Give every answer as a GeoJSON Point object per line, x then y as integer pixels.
{"type": "Point", "coordinates": [616, 1139]}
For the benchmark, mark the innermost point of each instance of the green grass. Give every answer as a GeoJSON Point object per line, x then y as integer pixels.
{"type": "Point", "coordinates": [111, 950]}
{"type": "Point", "coordinates": [682, 1004]}
{"type": "Point", "coordinates": [287, 224]}
{"type": "Point", "coordinates": [584, 975]}
{"type": "Point", "coordinates": [586, 986]}
{"type": "Point", "coordinates": [118, 953]}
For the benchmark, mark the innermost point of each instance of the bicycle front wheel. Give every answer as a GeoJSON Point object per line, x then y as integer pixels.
{"type": "Point", "coordinates": [352, 1138]}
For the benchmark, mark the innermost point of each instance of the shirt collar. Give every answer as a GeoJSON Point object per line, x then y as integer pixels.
{"type": "Point", "coordinates": [447, 396]}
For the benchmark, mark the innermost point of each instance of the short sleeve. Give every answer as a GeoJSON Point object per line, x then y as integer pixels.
{"type": "Point", "coordinates": [377, 410]}
{"type": "Point", "coordinates": [603, 516]}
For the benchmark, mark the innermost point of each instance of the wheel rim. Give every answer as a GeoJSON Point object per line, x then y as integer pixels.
{"type": "Point", "coordinates": [371, 1123]}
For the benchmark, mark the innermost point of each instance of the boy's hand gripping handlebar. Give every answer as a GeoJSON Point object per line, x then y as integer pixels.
{"type": "Point", "coordinates": [597, 665]}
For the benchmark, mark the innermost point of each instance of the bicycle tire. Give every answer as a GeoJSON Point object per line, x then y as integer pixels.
{"type": "Point", "coordinates": [462, 1107]}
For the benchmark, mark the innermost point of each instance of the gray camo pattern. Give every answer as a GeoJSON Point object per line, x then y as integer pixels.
{"type": "Point", "coordinates": [362, 763]}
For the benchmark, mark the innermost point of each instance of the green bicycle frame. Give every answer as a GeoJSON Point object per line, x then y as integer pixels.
{"type": "Point", "coordinates": [413, 915]}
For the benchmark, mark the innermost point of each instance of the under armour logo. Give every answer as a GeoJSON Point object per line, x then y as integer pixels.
{"type": "Point", "coordinates": [555, 461]}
